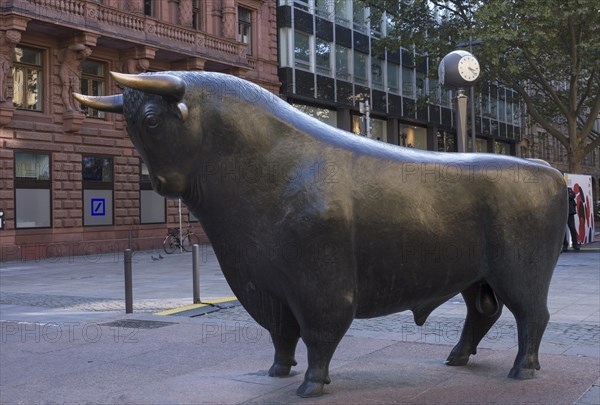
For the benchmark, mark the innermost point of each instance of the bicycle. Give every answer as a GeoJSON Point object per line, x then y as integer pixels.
{"type": "Point", "coordinates": [173, 241]}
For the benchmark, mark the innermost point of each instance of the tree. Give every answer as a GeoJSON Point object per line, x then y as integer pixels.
{"type": "Point", "coordinates": [548, 51]}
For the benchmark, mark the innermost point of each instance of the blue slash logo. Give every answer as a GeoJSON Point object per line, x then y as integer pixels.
{"type": "Point", "coordinates": [98, 207]}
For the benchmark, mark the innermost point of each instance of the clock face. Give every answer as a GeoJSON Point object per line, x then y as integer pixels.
{"type": "Point", "coordinates": [468, 68]}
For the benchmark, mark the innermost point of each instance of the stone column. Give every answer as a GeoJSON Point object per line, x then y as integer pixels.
{"type": "Point", "coordinates": [185, 13]}
{"type": "Point", "coordinates": [229, 19]}
{"type": "Point", "coordinates": [135, 6]}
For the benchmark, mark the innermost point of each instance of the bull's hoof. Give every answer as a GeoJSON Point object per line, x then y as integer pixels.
{"type": "Point", "coordinates": [519, 373]}
{"type": "Point", "coordinates": [310, 389]}
{"type": "Point", "coordinates": [454, 360]}
{"type": "Point", "coordinates": [459, 357]}
{"type": "Point", "coordinates": [280, 370]}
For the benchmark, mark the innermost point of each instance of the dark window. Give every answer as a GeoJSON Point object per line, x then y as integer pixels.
{"type": "Point", "coordinates": [148, 8]}
{"type": "Point", "coordinates": [245, 28]}
{"type": "Point", "coordinates": [196, 15]}
{"type": "Point", "coordinates": [97, 169]}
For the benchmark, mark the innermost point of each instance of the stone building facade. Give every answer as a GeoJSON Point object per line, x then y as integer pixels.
{"type": "Point", "coordinates": [70, 180]}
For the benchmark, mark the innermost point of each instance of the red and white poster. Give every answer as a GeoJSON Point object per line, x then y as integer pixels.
{"type": "Point", "coordinates": [584, 219]}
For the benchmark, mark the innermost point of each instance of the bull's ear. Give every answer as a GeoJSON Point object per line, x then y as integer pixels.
{"type": "Point", "coordinates": [183, 111]}
{"type": "Point", "coordinates": [102, 103]}
{"type": "Point", "coordinates": [166, 85]}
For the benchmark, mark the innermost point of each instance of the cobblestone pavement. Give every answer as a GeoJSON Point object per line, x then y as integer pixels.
{"type": "Point", "coordinates": [436, 329]}
{"type": "Point", "coordinates": [444, 330]}
{"type": "Point", "coordinates": [75, 303]}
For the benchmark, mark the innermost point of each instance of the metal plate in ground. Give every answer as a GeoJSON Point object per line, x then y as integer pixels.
{"type": "Point", "coordinates": [137, 324]}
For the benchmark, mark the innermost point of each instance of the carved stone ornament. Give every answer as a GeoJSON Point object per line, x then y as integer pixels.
{"type": "Point", "coordinates": [70, 74]}
{"type": "Point", "coordinates": [135, 65]}
{"type": "Point", "coordinates": [8, 41]}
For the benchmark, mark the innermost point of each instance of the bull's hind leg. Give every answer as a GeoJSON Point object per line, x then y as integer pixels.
{"type": "Point", "coordinates": [477, 324]}
{"type": "Point", "coordinates": [531, 324]}
{"type": "Point", "coordinates": [530, 310]}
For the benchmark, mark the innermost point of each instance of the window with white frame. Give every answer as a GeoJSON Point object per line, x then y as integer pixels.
{"type": "Point", "coordinates": [324, 9]}
{"type": "Point", "coordinates": [359, 17]}
{"type": "Point", "coordinates": [376, 26]}
{"type": "Point", "coordinates": [360, 67]}
{"type": "Point", "coordinates": [343, 68]}
{"type": "Point", "coordinates": [323, 56]}
{"type": "Point", "coordinates": [501, 105]}
{"type": "Point", "coordinates": [377, 73]}
{"type": "Point", "coordinates": [408, 82]}
{"type": "Point", "coordinates": [342, 12]}
{"type": "Point", "coordinates": [421, 84]}
{"type": "Point", "coordinates": [392, 77]}
{"type": "Point", "coordinates": [434, 90]}
{"type": "Point", "coordinates": [302, 5]}
{"type": "Point", "coordinates": [302, 51]}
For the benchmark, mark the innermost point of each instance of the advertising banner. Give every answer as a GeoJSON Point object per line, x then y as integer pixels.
{"type": "Point", "coordinates": [584, 219]}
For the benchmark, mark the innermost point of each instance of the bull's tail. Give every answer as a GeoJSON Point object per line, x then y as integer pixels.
{"type": "Point", "coordinates": [486, 301]}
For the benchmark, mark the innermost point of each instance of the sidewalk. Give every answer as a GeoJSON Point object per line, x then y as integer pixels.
{"type": "Point", "coordinates": [66, 339]}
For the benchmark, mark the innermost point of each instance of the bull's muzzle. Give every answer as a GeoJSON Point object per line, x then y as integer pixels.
{"type": "Point", "coordinates": [171, 186]}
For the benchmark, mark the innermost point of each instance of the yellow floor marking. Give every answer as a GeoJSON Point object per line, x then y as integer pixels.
{"type": "Point", "coordinates": [194, 306]}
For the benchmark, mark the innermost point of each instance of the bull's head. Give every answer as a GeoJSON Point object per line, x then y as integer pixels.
{"type": "Point", "coordinates": [154, 108]}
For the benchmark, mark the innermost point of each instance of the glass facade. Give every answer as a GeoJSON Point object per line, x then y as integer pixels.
{"type": "Point", "coordinates": [329, 47]}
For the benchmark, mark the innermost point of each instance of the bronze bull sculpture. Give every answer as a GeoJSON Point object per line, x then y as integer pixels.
{"type": "Point", "coordinates": [314, 227]}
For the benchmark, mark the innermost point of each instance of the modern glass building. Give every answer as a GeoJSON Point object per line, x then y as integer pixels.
{"type": "Point", "coordinates": [329, 65]}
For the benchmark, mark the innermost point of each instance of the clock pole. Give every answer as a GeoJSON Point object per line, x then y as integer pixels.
{"type": "Point", "coordinates": [461, 120]}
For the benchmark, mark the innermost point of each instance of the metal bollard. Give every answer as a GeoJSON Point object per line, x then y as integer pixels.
{"type": "Point", "coordinates": [196, 272]}
{"type": "Point", "coordinates": [128, 282]}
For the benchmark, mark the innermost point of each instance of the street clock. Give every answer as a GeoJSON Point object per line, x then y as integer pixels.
{"type": "Point", "coordinates": [458, 69]}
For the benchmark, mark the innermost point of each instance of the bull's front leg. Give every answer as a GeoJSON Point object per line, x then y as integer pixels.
{"type": "Point", "coordinates": [285, 334]}
{"type": "Point", "coordinates": [322, 329]}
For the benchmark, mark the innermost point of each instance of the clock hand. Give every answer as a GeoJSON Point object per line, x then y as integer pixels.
{"type": "Point", "coordinates": [472, 69]}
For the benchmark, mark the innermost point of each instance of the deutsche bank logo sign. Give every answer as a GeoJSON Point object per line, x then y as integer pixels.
{"type": "Point", "coordinates": [98, 207]}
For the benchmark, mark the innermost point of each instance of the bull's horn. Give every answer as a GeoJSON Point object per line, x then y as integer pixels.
{"type": "Point", "coordinates": [164, 85]}
{"type": "Point", "coordinates": [102, 103]}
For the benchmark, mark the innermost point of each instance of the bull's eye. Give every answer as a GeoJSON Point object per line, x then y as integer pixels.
{"type": "Point", "coordinates": [152, 120]}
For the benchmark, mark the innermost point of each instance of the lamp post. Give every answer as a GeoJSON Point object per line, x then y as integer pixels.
{"type": "Point", "coordinates": [458, 70]}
